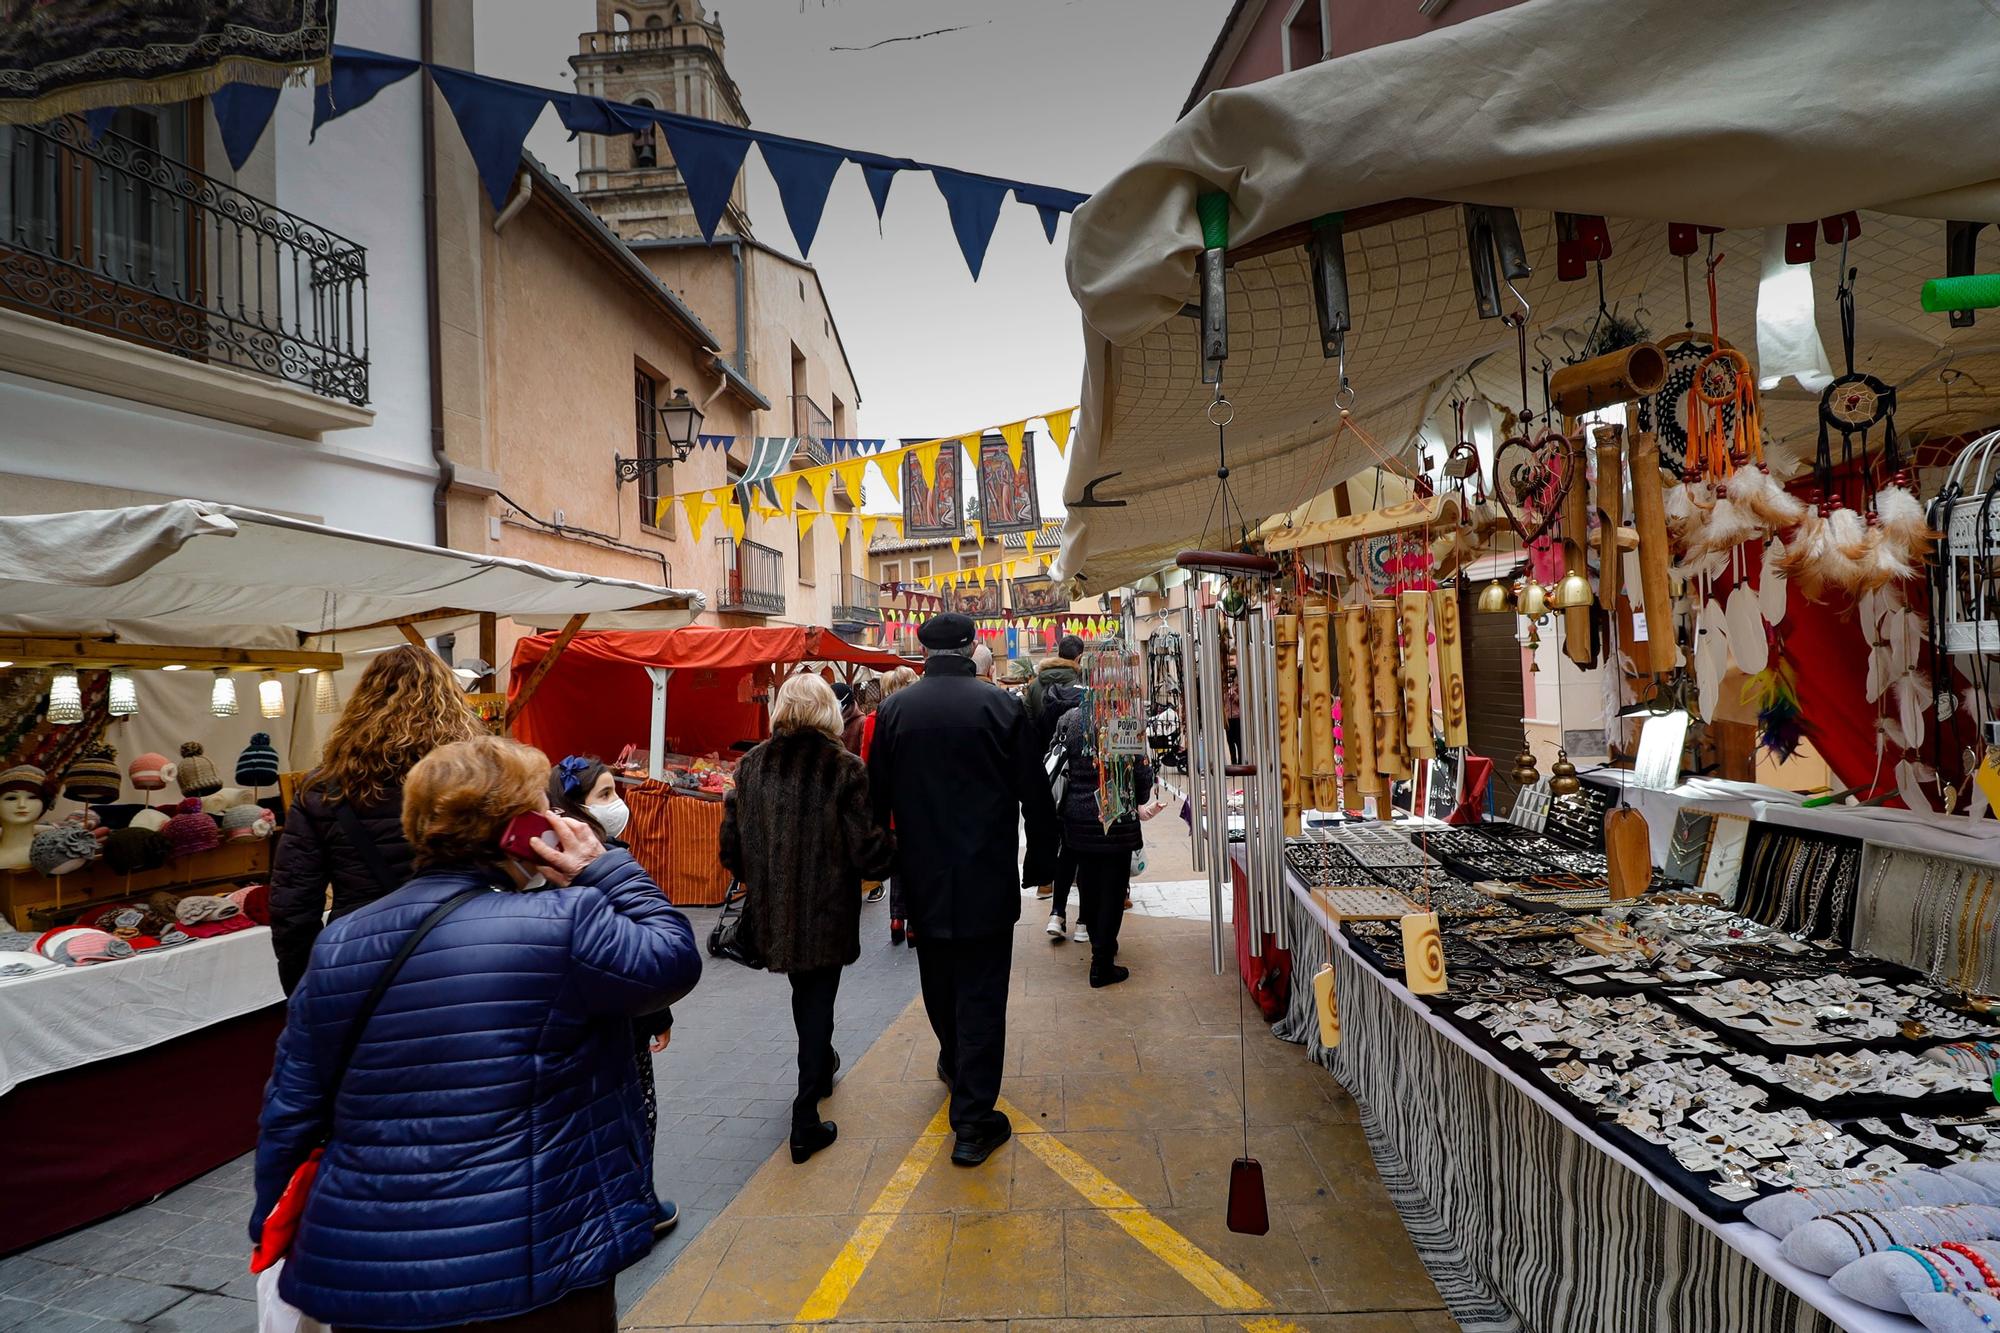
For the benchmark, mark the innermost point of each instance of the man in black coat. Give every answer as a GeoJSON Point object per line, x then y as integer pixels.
{"type": "Point", "coordinates": [954, 762]}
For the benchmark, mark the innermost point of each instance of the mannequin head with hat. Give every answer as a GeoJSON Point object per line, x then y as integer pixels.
{"type": "Point", "coordinates": [24, 796]}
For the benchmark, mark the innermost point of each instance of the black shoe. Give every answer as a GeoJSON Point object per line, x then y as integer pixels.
{"type": "Point", "coordinates": [809, 1141]}
{"type": "Point", "coordinates": [826, 1089]}
{"type": "Point", "coordinates": [973, 1151]}
{"type": "Point", "coordinates": [669, 1217]}
{"type": "Point", "coordinates": [1109, 975]}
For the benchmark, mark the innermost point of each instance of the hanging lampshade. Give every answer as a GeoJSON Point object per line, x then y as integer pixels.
{"type": "Point", "coordinates": [325, 698]}
{"type": "Point", "coordinates": [1525, 773]}
{"type": "Point", "coordinates": [1534, 600]}
{"type": "Point", "coordinates": [1562, 776]}
{"type": "Point", "coordinates": [1571, 593]}
{"type": "Point", "coordinates": [270, 695]}
{"type": "Point", "coordinates": [1495, 597]}
{"type": "Point", "coordinates": [124, 693]}
{"type": "Point", "coordinates": [222, 696]}
{"type": "Point", "coordinates": [65, 696]}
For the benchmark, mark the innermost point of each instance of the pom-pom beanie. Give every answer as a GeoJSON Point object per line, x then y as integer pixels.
{"type": "Point", "coordinates": [198, 774]}
{"type": "Point", "coordinates": [94, 778]}
{"type": "Point", "coordinates": [191, 831]}
{"type": "Point", "coordinates": [257, 766]}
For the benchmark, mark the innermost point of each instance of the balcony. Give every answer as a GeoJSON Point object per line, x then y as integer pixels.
{"type": "Point", "coordinates": [753, 579]}
{"type": "Point", "coordinates": [612, 42]}
{"type": "Point", "coordinates": [119, 238]}
{"type": "Point", "coordinates": [812, 426]}
{"type": "Point", "coordinates": [862, 604]}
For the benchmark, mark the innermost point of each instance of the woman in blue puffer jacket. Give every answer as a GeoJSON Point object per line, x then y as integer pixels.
{"type": "Point", "coordinates": [485, 1166]}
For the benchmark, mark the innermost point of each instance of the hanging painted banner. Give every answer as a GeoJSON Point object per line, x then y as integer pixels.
{"type": "Point", "coordinates": [1036, 595]}
{"type": "Point", "coordinates": [934, 508]}
{"type": "Point", "coordinates": [977, 599]}
{"type": "Point", "coordinates": [66, 59]}
{"type": "Point", "coordinates": [1007, 499]}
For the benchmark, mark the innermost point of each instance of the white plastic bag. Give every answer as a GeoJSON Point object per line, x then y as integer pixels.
{"type": "Point", "coordinates": [273, 1314]}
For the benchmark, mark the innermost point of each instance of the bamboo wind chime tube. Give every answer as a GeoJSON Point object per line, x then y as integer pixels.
{"type": "Point", "coordinates": [1392, 752]}
{"type": "Point", "coordinates": [1357, 706]}
{"type": "Point", "coordinates": [1318, 653]}
{"type": "Point", "coordinates": [1414, 611]}
{"type": "Point", "coordinates": [1610, 511]}
{"type": "Point", "coordinates": [1576, 528]}
{"type": "Point", "coordinates": [1289, 770]}
{"type": "Point", "coordinates": [1649, 516]}
{"type": "Point", "coordinates": [1451, 667]}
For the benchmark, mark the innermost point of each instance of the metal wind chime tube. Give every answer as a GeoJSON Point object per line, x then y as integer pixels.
{"type": "Point", "coordinates": [1211, 741]}
{"type": "Point", "coordinates": [1250, 682]}
{"type": "Point", "coordinates": [1270, 785]}
{"type": "Point", "coordinates": [1191, 730]}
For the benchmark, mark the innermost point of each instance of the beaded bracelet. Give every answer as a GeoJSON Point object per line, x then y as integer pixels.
{"type": "Point", "coordinates": [1937, 1278]}
{"type": "Point", "coordinates": [1978, 1261]}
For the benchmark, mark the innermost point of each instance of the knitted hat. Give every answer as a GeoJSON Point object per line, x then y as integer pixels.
{"type": "Point", "coordinates": [191, 831]}
{"type": "Point", "coordinates": [199, 907]}
{"type": "Point", "coordinates": [80, 946]}
{"type": "Point", "coordinates": [59, 851]}
{"type": "Point", "coordinates": [255, 900]}
{"type": "Point", "coordinates": [126, 920]}
{"type": "Point", "coordinates": [13, 964]}
{"type": "Point", "coordinates": [150, 820]}
{"type": "Point", "coordinates": [130, 850]}
{"type": "Point", "coordinates": [198, 775]}
{"type": "Point", "coordinates": [95, 777]}
{"type": "Point", "coordinates": [151, 772]}
{"type": "Point", "coordinates": [24, 777]}
{"type": "Point", "coordinates": [257, 766]}
{"type": "Point", "coordinates": [223, 800]}
{"type": "Point", "coordinates": [247, 822]}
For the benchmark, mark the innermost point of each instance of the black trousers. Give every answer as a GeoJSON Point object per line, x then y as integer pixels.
{"type": "Point", "coordinates": [583, 1310]}
{"type": "Point", "coordinates": [1104, 879]}
{"type": "Point", "coordinates": [965, 994]}
{"type": "Point", "coordinates": [813, 994]}
{"type": "Point", "coordinates": [1233, 729]}
{"type": "Point", "coordinates": [1065, 876]}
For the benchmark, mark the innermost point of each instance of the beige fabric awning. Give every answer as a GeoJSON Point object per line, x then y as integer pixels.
{"type": "Point", "coordinates": [1646, 112]}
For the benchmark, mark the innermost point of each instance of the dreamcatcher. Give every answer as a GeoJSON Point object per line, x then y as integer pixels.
{"type": "Point", "coordinates": [1664, 413]}
{"type": "Point", "coordinates": [1725, 431]}
{"type": "Point", "coordinates": [1853, 405]}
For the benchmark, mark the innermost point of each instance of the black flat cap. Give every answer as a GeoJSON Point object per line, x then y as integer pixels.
{"type": "Point", "coordinates": [948, 630]}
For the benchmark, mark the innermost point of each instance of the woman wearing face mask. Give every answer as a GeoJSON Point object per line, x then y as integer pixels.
{"type": "Point", "coordinates": [476, 1120]}
{"type": "Point", "coordinates": [585, 790]}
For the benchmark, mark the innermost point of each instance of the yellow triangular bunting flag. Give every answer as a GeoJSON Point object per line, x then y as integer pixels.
{"type": "Point", "coordinates": [1029, 538]}
{"type": "Point", "coordinates": [805, 519]}
{"type": "Point", "coordinates": [732, 516]}
{"type": "Point", "coordinates": [1058, 424]}
{"type": "Point", "coordinates": [817, 478]}
{"type": "Point", "coordinates": [660, 507]}
{"type": "Point", "coordinates": [1012, 433]}
{"type": "Point", "coordinates": [972, 526]}
{"type": "Point", "coordinates": [868, 522]}
{"type": "Point", "coordinates": [786, 484]}
{"type": "Point", "coordinates": [890, 468]}
{"type": "Point", "coordinates": [840, 520]}
{"type": "Point", "coordinates": [954, 547]}
{"type": "Point", "coordinates": [897, 521]}
{"type": "Point", "coordinates": [853, 475]}
{"type": "Point", "coordinates": [927, 457]}
{"type": "Point", "coordinates": [971, 443]}
{"type": "Point", "coordinates": [697, 506]}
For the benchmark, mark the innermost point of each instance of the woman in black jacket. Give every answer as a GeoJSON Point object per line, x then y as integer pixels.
{"type": "Point", "coordinates": [800, 833]}
{"type": "Point", "coordinates": [1103, 855]}
{"type": "Point", "coordinates": [345, 827]}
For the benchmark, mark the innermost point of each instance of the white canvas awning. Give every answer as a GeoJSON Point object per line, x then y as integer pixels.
{"type": "Point", "coordinates": [188, 570]}
{"type": "Point", "coordinates": [1646, 112]}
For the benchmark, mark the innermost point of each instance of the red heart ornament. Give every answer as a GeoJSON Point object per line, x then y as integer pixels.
{"type": "Point", "coordinates": [1530, 478]}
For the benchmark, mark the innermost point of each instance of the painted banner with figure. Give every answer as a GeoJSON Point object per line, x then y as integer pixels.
{"type": "Point", "coordinates": [1007, 499]}
{"type": "Point", "coordinates": [934, 508]}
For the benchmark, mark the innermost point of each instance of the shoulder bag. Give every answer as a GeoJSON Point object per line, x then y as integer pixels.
{"type": "Point", "coordinates": [282, 1223]}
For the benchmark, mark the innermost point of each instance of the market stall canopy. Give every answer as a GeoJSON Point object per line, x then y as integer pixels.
{"type": "Point", "coordinates": [595, 698]}
{"type": "Point", "coordinates": [1747, 117]}
{"type": "Point", "coordinates": [190, 565]}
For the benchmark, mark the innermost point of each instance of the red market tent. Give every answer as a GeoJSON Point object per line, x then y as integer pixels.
{"type": "Point", "coordinates": [688, 691]}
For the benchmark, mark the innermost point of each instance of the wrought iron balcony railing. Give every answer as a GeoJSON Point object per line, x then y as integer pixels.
{"type": "Point", "coordinates": [862, 603]}
{"type": "Point", "coordinates": [117, 237]}
{"type": "Point", "coordinates": [753, 579]}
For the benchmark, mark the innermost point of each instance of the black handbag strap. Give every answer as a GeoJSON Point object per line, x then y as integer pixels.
{"type": "Point", "coordinates": [381, 987]}
{"type": "Point", "coordinates": [364, 845]}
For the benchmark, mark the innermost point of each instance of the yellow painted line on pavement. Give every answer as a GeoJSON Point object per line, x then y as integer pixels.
{"type": "Point", "coordinates": [839, 1281]}
{"type": "Point", "coordinates": [1269, 1326]}
{"type": "Point", "coordinates": [1179, 1253]}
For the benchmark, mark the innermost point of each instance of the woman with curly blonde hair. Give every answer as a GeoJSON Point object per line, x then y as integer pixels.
{"type": "Point", "coordinates": [345, 830]}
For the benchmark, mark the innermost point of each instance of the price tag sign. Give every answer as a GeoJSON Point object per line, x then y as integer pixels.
{"type": "Point", "coordinates": [1125, 736]}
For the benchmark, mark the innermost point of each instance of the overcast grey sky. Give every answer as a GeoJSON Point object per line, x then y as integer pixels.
{"type": "Point", "coordinates": [1059, 92]}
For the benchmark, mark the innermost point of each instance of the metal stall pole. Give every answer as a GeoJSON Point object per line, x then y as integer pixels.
{"type": "Point", "coordinates": [1215, 786]}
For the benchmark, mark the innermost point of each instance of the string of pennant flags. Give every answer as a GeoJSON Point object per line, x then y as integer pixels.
{"type": "Point", "coordinates": [767, 490]}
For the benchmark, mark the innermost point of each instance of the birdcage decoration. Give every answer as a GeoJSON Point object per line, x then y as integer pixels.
{"type": "Point", "coordinates": [1967, 512]}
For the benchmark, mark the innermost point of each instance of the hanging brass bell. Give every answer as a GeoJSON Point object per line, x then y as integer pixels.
{"type": "Point", "coordinates": [1534, 600]}
{"type": "Point", "coordinates": [1525, 773]}
{"type": "Point", "coordinates": [1495, 597]}
{"type": "Point", "coordinates": [1571, 593]}
{"type": "Point", "coordinates": [1562, 776]}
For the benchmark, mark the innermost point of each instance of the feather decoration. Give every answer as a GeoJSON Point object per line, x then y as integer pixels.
{"type": "Point", "coordinates": [1756, 491]}
{"type": "Point", "coordinates": [1904, 523]}
{"type": "Point", "coordinates": [1771, 583]}
{"type": "Point", "coordinates": [1726, 528]}
{"type": "Point", "coordinates": [1775, 692]}
{"type": "Point", "coordinates": [1679, 507]}
{"type": "Point", "coordinates": [1841, 558]}
{"type": "Point", "coordinates": [1878, 673]}
{"type": "Point", "coordinates": [1805, 556]}
{"type": "Point", "coordinates": [1910, 777]}
{"type": "Point", "coordinates": [1911, 695]}
{"type": "Point", "coordinates": [1886, 563]}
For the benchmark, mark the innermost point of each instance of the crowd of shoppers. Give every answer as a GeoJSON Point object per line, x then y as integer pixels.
{"type": "Point", "coordinates": [430, 1084]}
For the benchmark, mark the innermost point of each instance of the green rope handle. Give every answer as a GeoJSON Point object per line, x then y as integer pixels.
{"type": "Point", "coordinates": [1974, 291]}
{"type": "Point", "coordinates": [1213, 210]}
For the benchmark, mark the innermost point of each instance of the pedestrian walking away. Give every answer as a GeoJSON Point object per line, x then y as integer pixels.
{"type": "Point", "coordinates": [452, 1093]}
{"type": "Point", "coordinates": [900, 678]}
{"type": "Point", "coordinates": [1103, 854]}
{"type": "Point", "coordinates": [955, 763]}
{"type": "Point", "coordinates": [801, 834]}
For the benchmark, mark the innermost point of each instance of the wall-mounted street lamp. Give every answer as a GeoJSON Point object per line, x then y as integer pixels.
{"type": "Point", "coordinates": [680, 423]}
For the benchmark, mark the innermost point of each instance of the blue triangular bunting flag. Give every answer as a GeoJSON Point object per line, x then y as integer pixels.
{"type": "Point", "coordinates": [357, 76]}
{"type": "Point", "coordinates": [715, 441]}
{"type": "Point", "coordinates": [709, 160]}
{"type": "Point", "coordinates": [880, 175]}
{"type": "Point", "coordinates": [974, 203]}
{"type": "Point", "coordinates": [584, 114]}
{"type": "Point", "coordinates": [242, 110]}
{"type": "Point", "coordinates": [495, 117]}
{"type": "Point", "coordinates": [1049, 216]}
{"type": "Point", "coordinates": [804, 173]}
{"type": "Point", "coordinates": [97, 120]}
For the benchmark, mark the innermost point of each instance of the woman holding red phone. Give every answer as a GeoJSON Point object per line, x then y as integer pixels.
{"type": "Point", "coordinates": [459, 1045]}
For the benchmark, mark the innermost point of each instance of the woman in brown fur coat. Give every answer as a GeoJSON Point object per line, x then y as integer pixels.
{"type": "Point", "coordinates": [800, 833]}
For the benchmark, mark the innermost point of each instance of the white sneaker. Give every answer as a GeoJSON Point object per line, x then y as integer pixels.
{"type": "Point", "coordinates": [1057, 928]}
{"type": "Point", "coordinates": [1082, 935]}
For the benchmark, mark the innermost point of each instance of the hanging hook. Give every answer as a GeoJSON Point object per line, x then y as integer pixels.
{"type": "Point", "coordinates": [1344, 396]}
